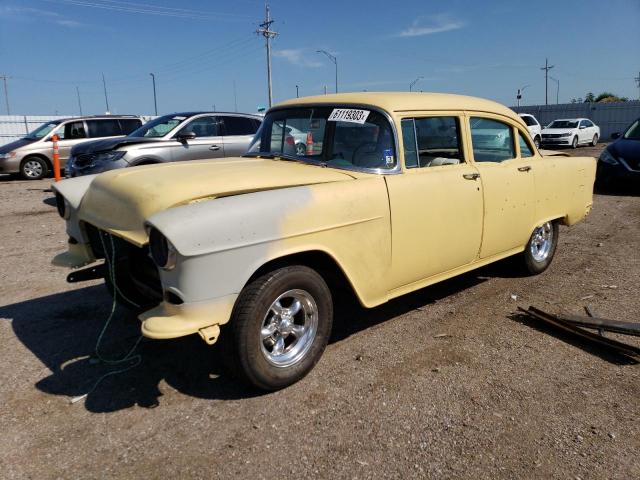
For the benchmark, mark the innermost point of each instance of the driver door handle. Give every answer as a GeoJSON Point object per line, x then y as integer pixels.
{"type": "Point", "coordinates": [471, 176]}
{"type": "Point", "coordinates": [524, 169]}
{"type": "Point", "coordinates": [214, 147]}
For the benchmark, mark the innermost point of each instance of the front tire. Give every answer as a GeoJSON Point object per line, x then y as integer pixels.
{"type": "Point", "coordinates": [34, 168]}
{"type": "Point", "coordinates": [574, 143]}
{"type": "Point", "coordinates": [541, 248]}
{"type": "Point", "coordinates": [279, 327]}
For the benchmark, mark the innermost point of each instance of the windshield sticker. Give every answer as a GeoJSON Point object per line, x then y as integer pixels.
{"type": "Point", "coordinates": [388, 157]}
{"type": "Point", "coordinates": [348, 115]}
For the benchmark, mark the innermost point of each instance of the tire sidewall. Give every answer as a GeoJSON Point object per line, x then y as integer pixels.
{"type": "Point", "coordinates": [247, 323]}
{"type": "Point", "coordinates": [534, 267]}
{"type": "Point", "coordinates": [42, 162]}
{"type": "Point", "coordinates": [594, 142]}
{"type": "Point", "coordinates": [574, 142]}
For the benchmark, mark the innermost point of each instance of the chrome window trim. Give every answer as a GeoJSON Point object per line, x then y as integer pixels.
{"type": "Point", "coordinates": [381, 171]}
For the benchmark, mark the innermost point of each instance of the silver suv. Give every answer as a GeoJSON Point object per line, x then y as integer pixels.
{"type": "Point", "coordinates": [170, 138]}
{"type": "Point", "coordinates": [32, 156]}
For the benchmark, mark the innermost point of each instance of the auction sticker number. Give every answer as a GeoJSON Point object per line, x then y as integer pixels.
{"type": "Point", "coordinates": [349, 115]}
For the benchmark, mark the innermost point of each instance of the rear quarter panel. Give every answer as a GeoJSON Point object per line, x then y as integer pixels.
{"type": "Point", "coordinates": [564, 188]}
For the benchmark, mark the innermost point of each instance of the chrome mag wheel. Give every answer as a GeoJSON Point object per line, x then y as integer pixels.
{"type": "Point", "coordinates": [289, 328]}
{"type": "Point", "coordinates": [541, 242]}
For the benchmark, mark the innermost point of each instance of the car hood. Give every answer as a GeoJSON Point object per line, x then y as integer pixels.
{"type": "Point", "coordinates": [558, 130]}
{"type": "Point", "coordinates": [15, 145]}
{"type": "Point", "coordinates": [625, 148]}
{"type": "Point", "coordinates": [119, 201]}
{"type": "Point", "coordinates": [109, 144]}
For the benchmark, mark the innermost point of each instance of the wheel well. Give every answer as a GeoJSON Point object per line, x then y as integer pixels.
{"type": "Point", "coordinates": [319, 261]}
{"type": "Point", "coordinates": [41, 157]}
{"type": "Point", "coordinates": [146, 161]}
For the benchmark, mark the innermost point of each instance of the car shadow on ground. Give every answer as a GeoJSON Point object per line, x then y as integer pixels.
{"type": "Point", "coordinates": [608, 354]}
{"type": "Point", "coordinates": [62, 329]}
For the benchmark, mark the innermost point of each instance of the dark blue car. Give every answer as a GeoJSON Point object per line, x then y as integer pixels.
{"type": "Point", "coordinates": [620, 162]}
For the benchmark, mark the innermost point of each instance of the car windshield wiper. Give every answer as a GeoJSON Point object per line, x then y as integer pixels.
{"type": "Point", "coordinates": [284, 156]}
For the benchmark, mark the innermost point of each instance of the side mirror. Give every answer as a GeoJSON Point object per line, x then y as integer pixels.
{"type": "Point", "coordinates": [615, 135]}
{"type": "Point", "coordinates": [582, 127]}
{"type": "Point", "coordinates": [184, 136]}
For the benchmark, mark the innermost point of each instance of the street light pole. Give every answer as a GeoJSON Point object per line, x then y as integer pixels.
{"type": "Point", "coordinates": [106, 98]}
{"type": "Point", "coordinates": [420, 77]}
{"type": "Point", "coordinates": [79, 102]}
{"type": "Point", "coordinates": [334, 60]}
{"type": "Point", "coordinates": [155, 103]}
{"type": "Point", "coordinates": [6, 93]}
{"type": "Point", "coordinates": [519, 94]}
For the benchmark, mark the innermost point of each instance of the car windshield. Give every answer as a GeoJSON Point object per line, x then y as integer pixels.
{"type": "Point", "coordinates": [563, 124]}
{"type": "Point", "coordinates": [633, 133]}
{"type": "Point", "coordinates": [42, 131]}
{"type": "Point", "coordinates": [159, 127]}
{"type": "Point", "coordinates": [334, 137]}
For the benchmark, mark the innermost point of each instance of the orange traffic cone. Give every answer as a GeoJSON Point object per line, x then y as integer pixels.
{"type": "Point", "coordinates": [309, 144]}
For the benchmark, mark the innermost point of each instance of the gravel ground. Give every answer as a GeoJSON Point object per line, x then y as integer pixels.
{"type": "Point", "coordinates": [448, 382]}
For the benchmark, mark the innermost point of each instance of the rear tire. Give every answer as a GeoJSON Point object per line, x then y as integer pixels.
{"type": "Point", "coordinates": [541, 248]}
{"type": "Point", "coordinates": [536, 142]}
{"type": "Point", "coordinates": [34, 168]}
{"type": "Point", "coordinates": [272, 350]}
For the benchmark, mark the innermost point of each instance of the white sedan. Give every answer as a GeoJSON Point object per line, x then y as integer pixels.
{"type": "Point", "coordinates": [571, 131]}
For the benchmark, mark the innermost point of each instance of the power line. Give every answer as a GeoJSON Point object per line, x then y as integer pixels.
{"type": "Point", "coordinates": [268, 34]}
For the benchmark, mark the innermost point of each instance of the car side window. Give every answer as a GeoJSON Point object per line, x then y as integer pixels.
{"type": "Point", "coordinates": [438, 142]}
{"type": "Point", "coordinates": [492, 140]}
{"type": "Point", "coordinates": [239, 126]}
{"type": "Point", "coordinates": [525, 149]}
{"type": "Point", "coordinates": [103, 128]}
{"type": "Point", "coordinates": [202, 127]}
{"type": "Point", "coordinates": [72, 131]}
{"type": "Point", "coordinates": [410, 145]}
{"type": "Point", "coordinates": [588, 123]}
{"type": "Point", "coordinates": [129, 125]}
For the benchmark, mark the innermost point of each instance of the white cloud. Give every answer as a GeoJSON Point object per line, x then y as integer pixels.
{"type": "Point", "coordinates": [299, 57]}
{"type": "Point", "coordinates": [436, 24]}
{"type": "Point", "coordinates": [32, 14]}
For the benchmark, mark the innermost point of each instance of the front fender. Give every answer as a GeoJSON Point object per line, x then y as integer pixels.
{"type": "Point", "coordinates": [221, 242]}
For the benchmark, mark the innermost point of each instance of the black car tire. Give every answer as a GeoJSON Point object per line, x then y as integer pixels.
{"type": "Point", "coordinates": [34, 168]}
{"type": "Point", "coordinates": [244, 341]}
{"type": "Point", "coordinates": [536, 142]}
{"type": "Point", "coordinates": [574, 142]}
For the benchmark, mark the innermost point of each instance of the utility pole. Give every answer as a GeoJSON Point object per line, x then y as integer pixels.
{"type": "Point", "coordinates": [268, 34]}
{"type": "Point", "coordinates": [325, 89]}
{"type": "Point", "coordinates": [519, 94]}
{"type": "Point", "coordinates": [155, 102]}
{"type": "Point", "coordinates": [557, 87]}
{"type": "Point", "coordinates": [6, 93]}
{"type": "Point", "coordinates": [79, 102]}
{"type": "Point", "coordinates": [297, 92]}
{"type": "Point", "coordinates": [334, 60]}
{"type": "Point", "coordinates": [235, 96]}
{"type": "Point", "coordinates": [546, 69]}
{"type": "Point", "coordinates": [106, 99]}
{"type": "Point", "coordinates": [637, 79]}
{"type": "Point", "coordinates": [414, 82]}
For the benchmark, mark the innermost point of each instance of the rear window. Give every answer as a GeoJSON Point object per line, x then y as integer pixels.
{"type": "Point", "coordinates": [128, 125]}
{"type": "Point", "coordinates": [103, 128]}
{"type": "Point", "coordinates": [239, 126]}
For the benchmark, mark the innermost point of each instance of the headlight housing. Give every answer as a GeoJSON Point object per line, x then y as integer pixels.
{"type": "Point", "coordinates": [162, 251]}
{"type": "Point", "coordinates": [606, 157]}
{"type": "Point", "coordinates": [63, 207]}
{"type": "Point", "coordinates": [4, 156]}
{"type": "Point", "coordinates": [568, 134]}
{"type": "Point", "coordinates": [110, 156]}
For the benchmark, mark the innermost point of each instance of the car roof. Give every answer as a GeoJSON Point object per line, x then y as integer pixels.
{"type": "Point", "coordinates": [193, 114]}
{"type": "Point", "coordinates": [569, 119]}
{"type": "Point", "coordinates": [405, 101]}
{"type": "Point", "coordinates": [97, 117]}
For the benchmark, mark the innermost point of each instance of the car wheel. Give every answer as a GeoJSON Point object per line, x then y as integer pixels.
{"type": "Point", "coordinates": [574, 142]}
{"type": "Point", "coordinates": [594, 142]}
{"type": "Point", "coordinates": [541, 248]}
{"type": "Point", "coordinates": [279, 327]}
{"type": "Point", "coordinates": [301, 149]}
{"type": "Point", "coordinates": [34, 168]}
{"type": "Point", "coordinates": [536, 142]}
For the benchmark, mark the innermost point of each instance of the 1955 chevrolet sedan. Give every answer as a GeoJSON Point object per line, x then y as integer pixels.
{"type": "Point", "coordinates": [392, 192]}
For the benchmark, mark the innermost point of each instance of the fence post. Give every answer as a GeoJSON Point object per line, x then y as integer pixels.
{"type": "Point", "coordinates": [26, 125]}
{"type": "Point", "coordinates": [56, 159]}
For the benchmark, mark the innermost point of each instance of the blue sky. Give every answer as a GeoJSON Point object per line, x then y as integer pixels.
{"type": "Point", "coordinates": [198, 49]}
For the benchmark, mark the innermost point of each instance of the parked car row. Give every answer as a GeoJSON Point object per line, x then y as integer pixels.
{"type": "Point", "coordinates": [392, 192]}
{"type": "Point", "coordinates": [90, 145]}
{"type": "Point", "coordinates": [571, 132]}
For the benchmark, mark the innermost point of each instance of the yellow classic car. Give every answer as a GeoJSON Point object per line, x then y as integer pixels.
{"type": "Point", "coordinates": [389, 193]}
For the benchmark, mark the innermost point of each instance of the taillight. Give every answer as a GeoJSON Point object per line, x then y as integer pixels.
{"type": "Point", "coordinates": [290, 141]}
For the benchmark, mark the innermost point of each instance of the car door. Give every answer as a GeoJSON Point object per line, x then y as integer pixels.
{"type": "Point", "coordinates": [70, 134]}
{"type": "Point", "coordinates": [238, 132]}
{"type": "Point", "coordinates": [436, 203]}
{"type": "Point", "coordinates": [208, 142]}
{"type": "Point", "coordinates": [583, 131]}
{"type": "Point", "coordinates": [507, 185]}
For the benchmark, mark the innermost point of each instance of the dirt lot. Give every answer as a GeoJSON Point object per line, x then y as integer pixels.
{"type": "Point", "coordinates": [497, 397]}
